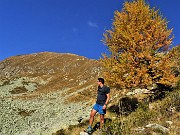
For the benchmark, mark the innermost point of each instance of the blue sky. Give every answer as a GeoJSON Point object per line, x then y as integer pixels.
{"type": "Point", "coordinates": [66, 26]}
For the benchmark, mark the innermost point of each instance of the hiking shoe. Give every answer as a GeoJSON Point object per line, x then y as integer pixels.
{"type": "Point", "coordinates": [89, 130]}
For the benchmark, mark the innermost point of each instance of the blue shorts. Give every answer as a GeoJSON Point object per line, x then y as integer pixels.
{"type": "Point", "coordinates": [99, 109]}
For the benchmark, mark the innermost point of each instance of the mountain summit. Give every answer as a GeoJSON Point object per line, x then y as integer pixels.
{"type": "Point", "coordinates": [40, 92]}
{"type": "Point", "coordinates": [50, 71]}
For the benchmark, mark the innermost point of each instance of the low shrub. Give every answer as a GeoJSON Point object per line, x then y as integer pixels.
{"type": "Point", "coordinates": [124, 125]}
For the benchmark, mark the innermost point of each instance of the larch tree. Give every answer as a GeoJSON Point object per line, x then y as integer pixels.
{"type": "Point", "coordinates": [138, 43]}
{"type": "Point", "coordinates": [176, 58]}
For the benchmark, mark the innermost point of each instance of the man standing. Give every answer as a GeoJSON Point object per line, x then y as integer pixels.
{"type": "Point", "coordinates": [101, 104]}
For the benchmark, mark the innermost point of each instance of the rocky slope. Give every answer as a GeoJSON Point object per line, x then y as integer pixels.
{"type": "Point", "coordinates": [44, 92]}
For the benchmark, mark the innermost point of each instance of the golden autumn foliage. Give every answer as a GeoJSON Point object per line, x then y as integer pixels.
{"type": "Point", "coordinates": [177, 58]}
{"type": "Point", "coordinates": [138, 43]}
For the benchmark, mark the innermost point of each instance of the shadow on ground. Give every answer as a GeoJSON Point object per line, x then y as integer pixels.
{"type": "Point", "coordinates": [97, 125]}
{"type": "Point", "coordinates": [125, 106]}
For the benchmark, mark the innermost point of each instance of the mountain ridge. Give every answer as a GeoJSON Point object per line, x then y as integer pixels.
{"type": "Point", "coordinates": [58, 69]}
{"type": "Point", "coordinates": [40, 90]}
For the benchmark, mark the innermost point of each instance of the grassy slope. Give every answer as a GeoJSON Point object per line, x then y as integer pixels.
{"type": "Point", "coordinates": [159, 112]}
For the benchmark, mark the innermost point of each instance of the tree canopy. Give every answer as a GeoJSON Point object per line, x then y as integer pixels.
{"type": "Point", "coordinates": [138, 43]}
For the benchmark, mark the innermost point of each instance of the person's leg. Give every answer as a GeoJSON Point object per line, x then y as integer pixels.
{"type": "Point", "coordinates": [92, 114]}
{"type": "Point", "coordinates": [91, 120]}
{"type": "Point", "coordinates": [102, 113]}
{"type": "Point", "coordinates": [101, 120]}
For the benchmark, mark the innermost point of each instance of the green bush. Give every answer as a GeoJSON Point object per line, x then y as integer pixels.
{"type": "Point", "coordinates": [170, 104]}
{"type": "Point", "coordinates": [124, 125]}
{"type": "Point", "coordinates": [141, 116]}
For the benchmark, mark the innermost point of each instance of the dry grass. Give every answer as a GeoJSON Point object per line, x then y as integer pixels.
{"type": "Point", "coordinates": [25, 113]}
{"type": "Point", "coordinates": [19, 90]}
{"type": "Point", "coordinates": [62, 72]}
{"type": "Point", "coordinates": [160, 112]}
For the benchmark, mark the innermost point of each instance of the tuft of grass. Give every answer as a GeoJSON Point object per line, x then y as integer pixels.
{"type": "Point", "coordinates": [124, 125]}
{"type": "Point", "coordinates": [60, 132]}
{"type": "Point", "coordinates": [141, 116]}
{"type": "Point", "coordinates": [6, 82]}
{"type": "Point", "coordinates": [169, 105]}
{"type": "Point", "coordinates": [19, 90]}
{"type": "Point", "coordinates": [25, 113]}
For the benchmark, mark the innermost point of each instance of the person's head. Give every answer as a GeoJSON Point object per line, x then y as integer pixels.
{"type": "Point", "coordinates": [101, 80]}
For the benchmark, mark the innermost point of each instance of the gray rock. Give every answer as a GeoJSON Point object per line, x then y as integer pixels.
{"type": "Point", "coordinates": [83, 133]}
{"type": "Point", "coordinates": [157, 126]}
{"type": "Point", "coordinates": [169, 122]}
{"type": "Point", "coordinates": [130, 93]}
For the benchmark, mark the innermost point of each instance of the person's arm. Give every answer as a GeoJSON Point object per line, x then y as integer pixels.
{"type": "Point", "coordinates": [107, 100]}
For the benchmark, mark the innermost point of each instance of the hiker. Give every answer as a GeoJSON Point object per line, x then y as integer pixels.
{"type": "Point", "coordinates": [100, 106]}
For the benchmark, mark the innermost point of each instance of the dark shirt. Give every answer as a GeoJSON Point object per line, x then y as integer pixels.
{"type": "Point", "coordinates": [101, 97]}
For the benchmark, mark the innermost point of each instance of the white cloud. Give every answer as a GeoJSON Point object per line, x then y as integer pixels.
{"type": "Point", "coordinates": [92, 24]}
